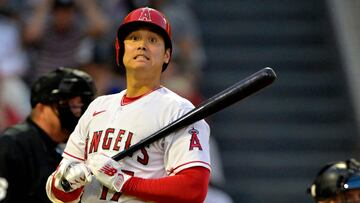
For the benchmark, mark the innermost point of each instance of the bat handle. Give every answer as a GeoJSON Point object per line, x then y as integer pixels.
{"type": "Point", "coordinates": [65, 185]}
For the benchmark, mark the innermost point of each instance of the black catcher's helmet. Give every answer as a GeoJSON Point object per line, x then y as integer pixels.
{"type": "Point", "coordinates": [335, 178]}
{"type": "Point", "coordinates": [61, 85]}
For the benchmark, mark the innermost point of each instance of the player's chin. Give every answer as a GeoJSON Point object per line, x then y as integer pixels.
{"type": "Point", "coordinates": [139, 66]}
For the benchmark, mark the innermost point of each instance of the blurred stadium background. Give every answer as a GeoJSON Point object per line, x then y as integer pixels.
{"type": "Point", "coordinates": [273, 143]}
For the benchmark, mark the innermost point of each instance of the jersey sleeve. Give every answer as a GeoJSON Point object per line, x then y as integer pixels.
{"type": "Point", "coordinates": [188, 147]}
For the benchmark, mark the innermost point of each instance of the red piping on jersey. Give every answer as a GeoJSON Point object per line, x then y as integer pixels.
{"type": "Point", "coordinates": [127, 100]}
{"type": "Point", "coordinates": [75, 157]}
{"type": "Point", "coordinates": [172, 170]}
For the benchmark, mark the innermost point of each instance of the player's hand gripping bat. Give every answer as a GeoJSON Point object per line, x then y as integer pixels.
{"type": "Point", "coordinates": [227, 97]}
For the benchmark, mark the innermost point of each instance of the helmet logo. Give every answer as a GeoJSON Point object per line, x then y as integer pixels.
{"type": "Point", "coordinates": [145, 15]}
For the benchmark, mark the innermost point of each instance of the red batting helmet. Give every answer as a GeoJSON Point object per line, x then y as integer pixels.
{"type": "Point", "coordinates": [147, 17]}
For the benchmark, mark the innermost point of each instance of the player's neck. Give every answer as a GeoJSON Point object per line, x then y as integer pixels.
{"type": "Point", "coordinates": [135, 90]}
{"type": "Point", "coordinates": [138, 92]}
{"type": "Point", "coordinates": [127, 99]}
{"type": "Point", "coordinates": [136, 86]}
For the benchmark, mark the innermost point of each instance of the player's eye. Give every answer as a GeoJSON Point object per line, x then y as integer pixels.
{"type": "Point", "coordinates": [153, 40]}
{"type": "Point", "coordinates": [133, 37]}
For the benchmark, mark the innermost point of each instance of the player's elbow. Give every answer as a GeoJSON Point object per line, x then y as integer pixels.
{"type": "Point", "coordinates": [199, 186]}
{"type": "Point", "coordinates": [197, 196]}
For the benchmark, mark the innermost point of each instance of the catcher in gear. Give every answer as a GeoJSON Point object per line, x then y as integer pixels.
{"type": "Point", "coordinates": [337, 182]}
{"type": "Point", "coordinates": [173, 169]}
{"type": "Point", "coordinates": [29, 151]}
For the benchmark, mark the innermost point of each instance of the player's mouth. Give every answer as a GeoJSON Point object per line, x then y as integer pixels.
{"type": "Point", "coordinates": [141, 56]}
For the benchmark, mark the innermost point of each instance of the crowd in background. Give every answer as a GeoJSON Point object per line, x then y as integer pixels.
{"type": "Point", "coordinates": [38, 36]}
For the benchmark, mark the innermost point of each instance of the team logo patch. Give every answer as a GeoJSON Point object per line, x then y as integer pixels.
{"type": "Point", "coordinates": [145, 15]}
{"type": "Point", "coordinates": [194, 140]}
{"type": "Point", "coordinates": [193, 131]}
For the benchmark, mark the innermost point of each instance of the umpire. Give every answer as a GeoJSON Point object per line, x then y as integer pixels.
{"type": "Point", "coordinates": [29, 151]}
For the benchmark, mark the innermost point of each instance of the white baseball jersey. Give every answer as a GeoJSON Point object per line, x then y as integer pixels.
{"type": "Point", "coordinates": [109, 127]}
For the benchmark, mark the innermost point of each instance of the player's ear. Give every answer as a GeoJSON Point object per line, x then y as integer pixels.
{"type": "Point", "coordinates": [167, 55]}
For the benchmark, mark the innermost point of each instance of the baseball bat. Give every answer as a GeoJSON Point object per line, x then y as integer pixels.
{"type": "Point", "coordinates": [225, 98]}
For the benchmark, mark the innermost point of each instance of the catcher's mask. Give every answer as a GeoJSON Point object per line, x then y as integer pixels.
{"type": "Point", "coordinates": [58, 87]}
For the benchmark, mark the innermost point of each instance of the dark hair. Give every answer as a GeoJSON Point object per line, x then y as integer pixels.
{"type": "Point", "coordinates": [63, 4]}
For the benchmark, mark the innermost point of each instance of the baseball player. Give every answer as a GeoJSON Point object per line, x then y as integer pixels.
{"type": "Point", "coordinates": [173, 169]}
{"type": "Point", "coordinates": [29, 150]}
{"type": "Point", "coordinates": [337, 182]}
